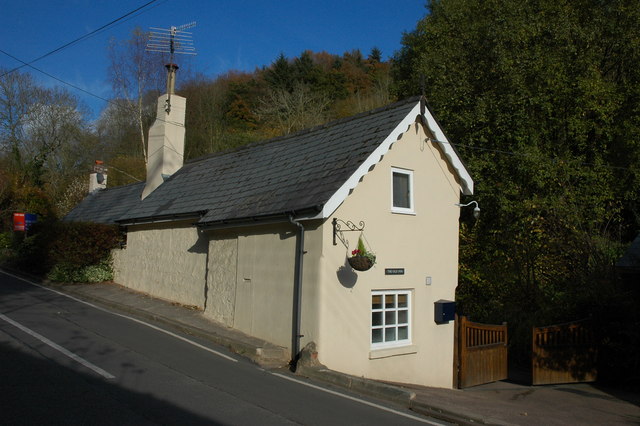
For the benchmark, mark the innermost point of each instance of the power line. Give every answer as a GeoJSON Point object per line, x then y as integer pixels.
{"type": "Point", "coordinates": [64, 46]}
{"type": "Point", "coordinates": [25, 64]}
{"type": "Point", "coordinates": [81, 89]}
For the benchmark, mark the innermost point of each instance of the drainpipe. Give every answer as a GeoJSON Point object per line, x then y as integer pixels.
{"type": "Point", "coordinates": [297, 295]}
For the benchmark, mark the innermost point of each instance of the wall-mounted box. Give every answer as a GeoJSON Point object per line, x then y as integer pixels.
{"type": "Point", "coordinates": [444, 311]}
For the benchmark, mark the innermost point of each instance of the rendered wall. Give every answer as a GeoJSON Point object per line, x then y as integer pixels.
{"type": "Point", "coordinates": [166, 142]}
{"type": "Point", "coordinates": [424, 244]}
{"type": "Point", "coordinates": [166, 261]}
{"type": "Point", "coordinates": [221, 278]}
{"type": "Point", "coordinates": [250, 280]}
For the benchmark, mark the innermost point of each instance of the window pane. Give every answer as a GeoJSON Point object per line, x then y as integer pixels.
{"type": "Point", "coordinates": [401, 195]}
{"type": "Point", "coordinates": [376, 318]}
{"type": "Point", "coordinates": [376, 301]}
{"type": "Point", "coordinates": [403, 317]}
{"type": "Point", "coordinates": [390, 334]}
{"type": "Point", "coordinates": [403, 333]}
{"type": "Point", "coordinates": [390, 318]}
{"type": "Point", "coordinates": [389, 301]}
{"type": "Point", "coordinates": [402, 300]}
{"type": "Point", "coordinates": [376, 335]}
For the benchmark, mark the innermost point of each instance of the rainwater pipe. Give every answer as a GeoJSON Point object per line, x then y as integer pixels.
{"type": "Point", "coordinates": [297, 295]}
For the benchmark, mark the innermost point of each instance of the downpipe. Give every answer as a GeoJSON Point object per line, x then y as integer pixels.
{"type": "Point", "coordinates": [297, 295]}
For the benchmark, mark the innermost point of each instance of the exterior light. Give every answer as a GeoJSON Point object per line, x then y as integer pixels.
{"type": "Point", "coordinates": [476, 209]}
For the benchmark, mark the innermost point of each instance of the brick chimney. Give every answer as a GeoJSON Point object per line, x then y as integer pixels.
{"type": "Point", "coordinates": [98, 179]}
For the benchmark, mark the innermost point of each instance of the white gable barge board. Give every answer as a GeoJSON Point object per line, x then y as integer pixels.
{"type": "Point", "coordinates": [341, 194]}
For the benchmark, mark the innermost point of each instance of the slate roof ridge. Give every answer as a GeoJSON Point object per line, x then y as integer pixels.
{"type": "Point", "coordinates": [118, 187]}
{"type": "Point", "coordinates": [308, 130]}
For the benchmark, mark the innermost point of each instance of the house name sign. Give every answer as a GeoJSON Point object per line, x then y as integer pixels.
{"type": "Point", "coordinates": [394, 271]}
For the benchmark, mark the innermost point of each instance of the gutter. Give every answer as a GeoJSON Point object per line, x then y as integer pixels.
{"type": "Point", "coordinates": [297, 295]}
{"type": "Point", "coordinates": [160, 219]}
{"type": "Point", "coordinates": [283, 217]}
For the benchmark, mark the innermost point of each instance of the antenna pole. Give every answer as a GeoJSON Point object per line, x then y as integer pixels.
{"type": "Point", "coordinates": [173, 40]}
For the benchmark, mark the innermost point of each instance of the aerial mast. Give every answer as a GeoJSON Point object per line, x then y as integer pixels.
{"type": "Point", "coordinates": [173, 40]}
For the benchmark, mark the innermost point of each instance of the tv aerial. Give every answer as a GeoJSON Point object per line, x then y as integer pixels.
{"type": "Point", "coordinates": [174, 41]}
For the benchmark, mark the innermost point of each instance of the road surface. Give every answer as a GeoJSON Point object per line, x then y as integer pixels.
{"type": "Point", "coordinates": [65, 361]}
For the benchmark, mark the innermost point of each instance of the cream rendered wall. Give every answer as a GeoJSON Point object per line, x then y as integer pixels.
{"type": "Point", "coordinates": [251, 278]}
{"type": "Point", "coordinates": [221, 278]}
{"type": "Point", "coordinates": [424, 244]}
{"type": "Point", "coordinates": [166, 261]}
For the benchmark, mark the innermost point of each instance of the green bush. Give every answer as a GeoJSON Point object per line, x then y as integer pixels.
{"type": "Point", "coordinates": [31, 251]}
{"type": "Point", "coordinates": [64, 272]}
{"type": "Point", "coordinates": [67, 251]}
{"type": "Point", "coordinates": [83, 244]}
{"type": "Point", "coordinates": [5, 240]}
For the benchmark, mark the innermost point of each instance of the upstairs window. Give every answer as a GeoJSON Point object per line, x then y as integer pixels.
{"type": "Point", "coordinates": [402, 191]}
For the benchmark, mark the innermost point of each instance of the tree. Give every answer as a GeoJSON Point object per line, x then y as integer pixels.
{"type": "Point", "coordinates": [541, 99]}
{"type": "Point", "coordinates": [375, 56]}
{"type": "Point", "coordinates": [291, 111]}
{"type": "Point", "coordinates": [133, 73]}
{"type": "Point", "coordinates": [220, 112]}
{"type": "Point", "coordinates": [17, 94]}
{"type": "Point", "coordinates": [280, 75]}
{"type": "Point", "coordinates": [53, 123]}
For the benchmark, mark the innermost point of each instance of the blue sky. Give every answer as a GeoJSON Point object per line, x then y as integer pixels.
{"type": "Point", "coordinates": [230, 35]}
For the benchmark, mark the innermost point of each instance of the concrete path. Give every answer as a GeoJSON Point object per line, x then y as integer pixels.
{"type": "Point", "coordinates": [501, 403]}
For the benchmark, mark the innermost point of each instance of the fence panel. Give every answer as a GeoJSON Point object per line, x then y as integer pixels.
{"type": "Point", "coordinates": [564, 353]}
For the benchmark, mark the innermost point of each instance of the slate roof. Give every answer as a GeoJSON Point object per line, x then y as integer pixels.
{"type": "Point", "coordinates": [106, 205]}
{"type": "Point", "coordinates": [295, 173]}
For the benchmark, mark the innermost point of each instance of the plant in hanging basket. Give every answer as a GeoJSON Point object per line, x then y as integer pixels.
{"type": "Point", "coordinates": [362, 259]}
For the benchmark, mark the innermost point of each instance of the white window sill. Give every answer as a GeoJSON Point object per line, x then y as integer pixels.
{"type": "Point", "coordinates": [405, 212]}
{"type": "Point", "coordinates": [392, 351]}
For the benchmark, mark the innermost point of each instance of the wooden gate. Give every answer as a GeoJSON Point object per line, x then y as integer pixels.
{"type": "Point", "coordinates": [564, 353]}
{"type": "Point", "coordinates": [481, 353]}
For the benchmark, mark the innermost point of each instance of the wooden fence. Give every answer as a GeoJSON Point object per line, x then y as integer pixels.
{"type": "Point", "coordinates": [481, 353]}
{"type": "Point", "coordinates": [564, 353]}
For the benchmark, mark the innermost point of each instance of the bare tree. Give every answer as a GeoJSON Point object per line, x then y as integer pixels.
{"type": "Point", "coordinates": [293, 110]}
{"type": "Point", "coordinates": [55, 135]}
{"type": "Point", "coordinates": [17, 95]}
{"type": "Point", "coordinates": [133, 72]}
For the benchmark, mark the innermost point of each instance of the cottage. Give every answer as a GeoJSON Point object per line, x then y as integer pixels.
{"type": "Point", "coordinates": [259, 238]}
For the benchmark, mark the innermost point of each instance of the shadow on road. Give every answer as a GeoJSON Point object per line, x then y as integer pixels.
{"type": "Point", "coordinates": [37, 390]}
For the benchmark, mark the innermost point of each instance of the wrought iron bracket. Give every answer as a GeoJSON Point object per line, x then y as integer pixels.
{"type": "Point", "coordinates": [338, 230]}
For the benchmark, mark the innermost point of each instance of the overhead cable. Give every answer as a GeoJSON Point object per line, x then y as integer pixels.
{"type": "Point", "coordinates": [64, 46]}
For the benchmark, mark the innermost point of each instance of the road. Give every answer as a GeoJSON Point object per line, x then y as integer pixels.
{"type": "Point", "coordinates": [64, 361]}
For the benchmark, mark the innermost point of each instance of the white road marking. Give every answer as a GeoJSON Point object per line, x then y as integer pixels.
{"type": "Point", "coordinates": [59, 348]}
{"type": "Point", "coordinates": [191, 342]}
{"type": "Point", "coordinates": [361, 401]}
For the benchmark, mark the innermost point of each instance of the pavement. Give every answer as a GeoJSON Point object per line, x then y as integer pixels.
{"type": "Point", "coordinates": [499, 403]}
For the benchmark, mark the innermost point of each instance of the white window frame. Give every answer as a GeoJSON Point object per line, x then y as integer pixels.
{"type": "Point", "coordinates": [383, 311]}
{"type": "Point", "coordinates": [403, 210]}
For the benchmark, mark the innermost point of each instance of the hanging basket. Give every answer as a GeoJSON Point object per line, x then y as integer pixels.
{"type": "Point", "coordinates": [360, 263]}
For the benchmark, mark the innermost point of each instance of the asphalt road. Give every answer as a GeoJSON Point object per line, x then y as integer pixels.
{"type": "Point", "coordinates": [64, 361]}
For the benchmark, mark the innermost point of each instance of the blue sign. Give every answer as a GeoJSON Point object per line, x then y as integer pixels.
{"type": "Point", "coordinates": [29, 219]}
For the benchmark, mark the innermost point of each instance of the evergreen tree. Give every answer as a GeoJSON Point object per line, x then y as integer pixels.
{"type": "Point", "coordinates": [541, 98]}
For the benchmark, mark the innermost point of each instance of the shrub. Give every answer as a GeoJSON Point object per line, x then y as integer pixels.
{"type": "Point", "coordinates": [67, 251]}
{"type": "Point", "coordinates": [65, 272]}
{"type": "Point", "coordinates": [83, 244]}
{"type": "Point", "coordinates": [5, 240]}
